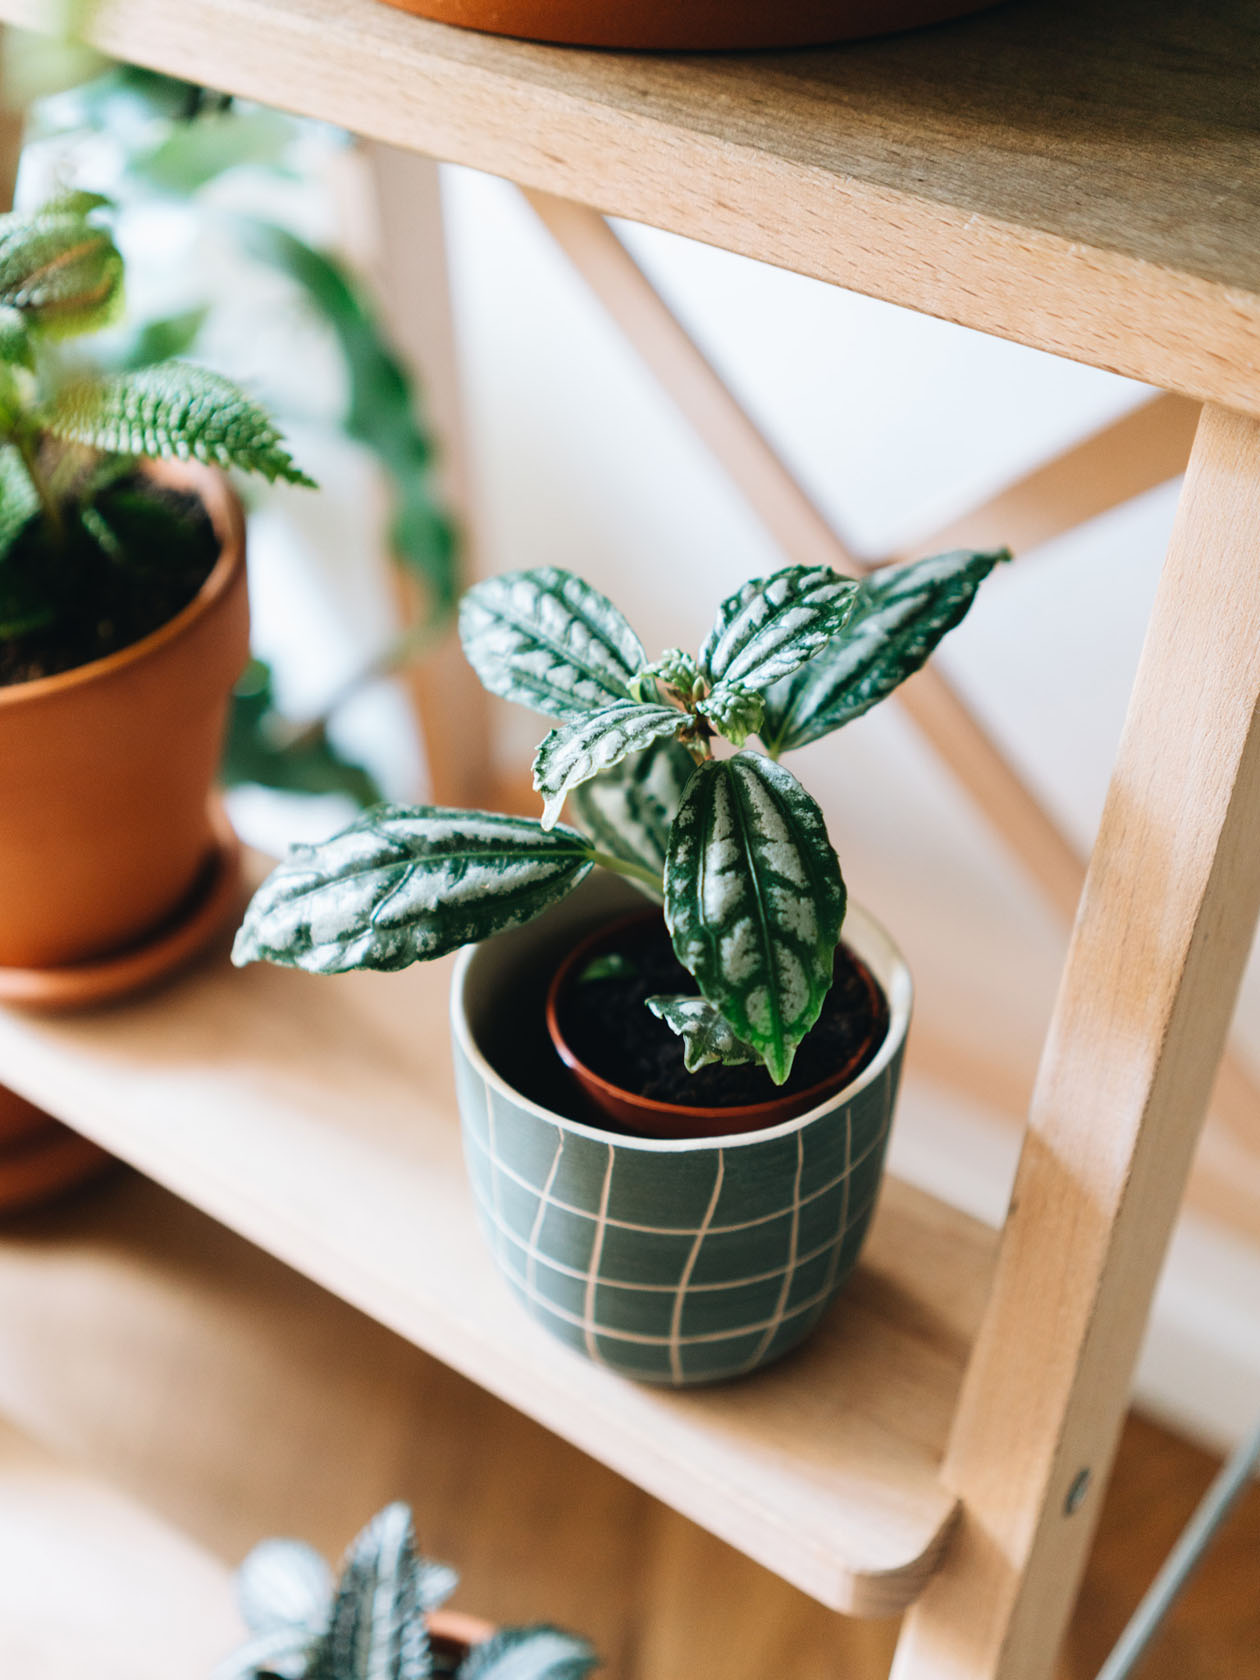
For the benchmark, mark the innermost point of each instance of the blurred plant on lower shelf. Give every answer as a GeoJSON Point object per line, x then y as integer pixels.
{"type": "Point", "coordinates": [371, 1623]}
{"type": "Point", "coordinates": [161, 147]}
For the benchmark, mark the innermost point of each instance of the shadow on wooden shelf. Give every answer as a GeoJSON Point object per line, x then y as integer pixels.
{"type": "Point", "coordinates": [207, 1395]}
{"type": "Point", "coordinates": [234, 1399]}
{"type": "Point", "coordinates": [316, 1118]}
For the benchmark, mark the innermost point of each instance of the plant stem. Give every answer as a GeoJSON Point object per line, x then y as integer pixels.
{"type": "Point", "coordinates": [636, 871]}
{"type": "Point", "coordinates": [52, 512]}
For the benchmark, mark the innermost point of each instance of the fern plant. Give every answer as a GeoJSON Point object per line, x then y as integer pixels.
{"type": "Point", "coordinates": [731, 843]}
{"type": "Point", "coordinates": [371, 1623]}
{"type": "Point", "coordinates": [85, 542]}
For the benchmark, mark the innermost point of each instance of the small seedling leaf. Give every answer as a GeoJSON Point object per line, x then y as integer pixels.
{"type": "Point", "coordinates": [706, 1033]}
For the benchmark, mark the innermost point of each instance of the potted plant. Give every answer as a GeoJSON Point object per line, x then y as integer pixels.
{"type": "Point", "coordinates": [381, 1620]}
{"type": "Point", "coordinates": [683, 1203]}
{"type": "Point", "coordinates": [123, 627]}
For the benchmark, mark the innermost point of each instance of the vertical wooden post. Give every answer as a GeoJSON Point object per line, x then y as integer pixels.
{"type": "Point", "coordinates": [414, 287]}
{"type": "Point", "coordinates": [1164, 928]}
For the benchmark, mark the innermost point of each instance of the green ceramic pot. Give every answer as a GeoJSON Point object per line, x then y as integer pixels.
{"type": "Point", "coordinates": [676, 1261]}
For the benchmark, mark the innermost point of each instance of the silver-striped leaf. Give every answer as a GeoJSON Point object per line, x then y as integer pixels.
{"type": "Point", "coordinates": [771, 625]}
{"type": "Point", "coordinates": [754, 901]}
{"type": "Point", "coordinates": [284, 1583]}
{"type": "Point", "coordinates": [529, 1653]}
{"type": "Point", "coordinates": [281, 1653]}
{"type": "Point", "coordinates": [435, 1582]}
{"type": "Point", "coordinates": [597, 741]}
{"type": "Point", "coordinates": [546, 639]}
{"type": "Point", "coordinates": [706, 1033]}
{"type": "Point", "coordinates": [900, 615]}
{"type": "Point", "coordinates": [377, 1630]}
{"type": "Point", "coordinates": [629, 810]}
{"type": "Point", "coordinates": [405, 884]}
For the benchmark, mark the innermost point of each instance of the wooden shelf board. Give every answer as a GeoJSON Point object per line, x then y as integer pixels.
{"type": "Point", "coordinates": [316, 1117]}
{"type": "Point", "coordinates": [234, 1398]}
{"type": "Point", "coordinates": [1082, 178]}
{"type": "Point", "coordinates": [93, 1584]}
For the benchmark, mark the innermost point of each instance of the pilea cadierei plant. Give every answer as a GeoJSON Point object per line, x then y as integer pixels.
{"type": "Point", "coordinates": [371, 1622]}
{"type": "Point", "coordinates": [86, 543]}
{"type": "Point", "coordinates": [732, 845]}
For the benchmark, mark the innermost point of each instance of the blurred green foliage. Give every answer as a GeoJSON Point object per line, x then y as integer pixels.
{"type": "Point", "coordinates": [176, 141]}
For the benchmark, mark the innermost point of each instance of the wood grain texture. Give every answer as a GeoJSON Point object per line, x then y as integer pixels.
{"type": "Point", "coordinates": [1081, 178]}
{"type": "Point", "coordinates": [1164, 929]}
{"type": "Point", "coordinates": [205, 1380]}
{"type": "Point", "coordinates": [1121, 460]}
{"type": "Point", "coordinates": [91, 1583]}
{"type": "Point", "coordinates": [413, 288]}
{"type": "Point", "coordinates": [316, 1117]}
{"type": "Point", "coordinates": [1213, 1633]}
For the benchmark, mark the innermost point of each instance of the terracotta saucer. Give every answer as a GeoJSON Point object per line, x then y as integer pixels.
{"type": "Point", "coordinates": [215, 897]}
{"type": "Point", "coordinates": [46, 1164]}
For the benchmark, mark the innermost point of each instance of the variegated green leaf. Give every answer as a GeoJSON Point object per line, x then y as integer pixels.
{"type": "Point", "coordinates": [404, 884]}
{"type": "Point", "coordinates": [772, 625]}
{"type": "Point", "coordinates": [284, 1583]}
{"type": "Point", "coordinates": [435, 1582]}
{"type": "Point", "coordinates": [532, 1653]}
{"type": "Point", "coordinates": [900, 615]}
{"type": "Point", "coordinates": [706, 1033]}
{"type": "Point", "coordinates": [754, 901]}
{"type": "Point", "coordinates": [377, 1630]}
{"type": "Point", "coordinates": [62, 273]}
{"type": "Point", "coordinates": [282, 1653]}
{"type": "Point", "coordinates": [579, 750]}
{"type": "Point", "coordinates": [546, 639]}
{"type": "Point", "coordinates": [629, 810]}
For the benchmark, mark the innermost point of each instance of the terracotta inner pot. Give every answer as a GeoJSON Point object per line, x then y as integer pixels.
{"type": "Point", "coordinates": [107, 770]}
{"type": "Point", "coordinates": [684, 25]}
{"type": "Point", "coordinates": [453, 1634]}
{"type": "Point", "coordinates": [649, 1117]}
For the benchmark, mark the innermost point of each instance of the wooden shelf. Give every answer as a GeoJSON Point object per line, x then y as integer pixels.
{"type": "Point", "coordinates": [92, 1584]}
{"type": "Point", "coordinates": [232, 1398]}
{"type": "Point", "coordinates": [316, 1118]}
{"type": "Point", "coordinates": [1082, 178]}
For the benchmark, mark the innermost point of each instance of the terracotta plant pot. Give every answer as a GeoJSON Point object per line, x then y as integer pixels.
{"type": "Point", "coordinates": [675, 1261]}
{"type": "Point", "coordinates": [115, 864]}
{"type": "Point", "coordinates": [106, 833]}
{"type": "Point", "coordinates": [684, 25]}
{"type": "Point", "coordinates": [646, 1117]}
{"type": "Point", "coordinates": [39, 1157]}
{"type": "Point", "coordinates": [452, 1635]}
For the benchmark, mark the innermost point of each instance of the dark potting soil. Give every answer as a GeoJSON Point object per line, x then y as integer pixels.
{"type": "Point", "coordinates": [607, 1023]}
{"type": "Point", "coordinates": [101, 599]}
